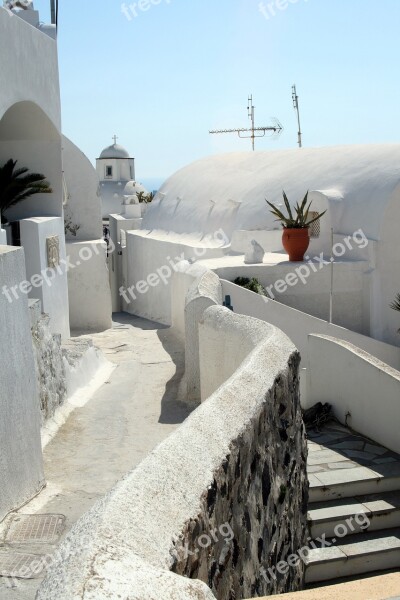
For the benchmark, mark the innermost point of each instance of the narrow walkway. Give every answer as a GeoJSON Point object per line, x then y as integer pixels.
{"type": "Point", "coordinates": [127, 417]}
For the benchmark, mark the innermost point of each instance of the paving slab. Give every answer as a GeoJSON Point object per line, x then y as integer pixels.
{"type": "Point", "coordinates": [325, 456]}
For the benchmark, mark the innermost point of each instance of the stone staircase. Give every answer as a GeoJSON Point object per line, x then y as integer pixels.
{"type": "Point", "coordinates": [354, 510]}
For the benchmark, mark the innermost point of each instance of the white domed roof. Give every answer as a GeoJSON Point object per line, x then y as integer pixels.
{"type": "Point", "coordinates": [358, 181]}
{"type": "Point", "coordinates": [115, 151]}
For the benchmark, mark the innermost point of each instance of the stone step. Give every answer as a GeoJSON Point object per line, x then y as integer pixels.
{"type": "Point", "coordinates": [350, 483]}
{"type": "Point", "coordinates": [363, 513]}
{"type": "Point", "coordinates": [354, 555]}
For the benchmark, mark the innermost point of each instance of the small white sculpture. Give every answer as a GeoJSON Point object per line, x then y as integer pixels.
{"type": "Point", "coordinates": [255, 254]}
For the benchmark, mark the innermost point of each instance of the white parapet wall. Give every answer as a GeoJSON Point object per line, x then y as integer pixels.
{"type": "Point", "coordinates": [222, 497]}
{"type": "Point", "coordinates": [309, 289]}
{"type": "Point", "coordinates": [151, 261]}
{"type": "Point", "coordinates": [47, 283]}
{"type": "Point", "coordinates": [298, 325]}
{"type": "Point", "coordinates": [204, 292]}
{"type": "Point", "coordinates": [364, 391]}
{"type": "Point", "coordinates": [88, 286]}
{"type": "Point", "coordinates": [117, 260]}
{"type": "Point", "coordinates": [21, 465]}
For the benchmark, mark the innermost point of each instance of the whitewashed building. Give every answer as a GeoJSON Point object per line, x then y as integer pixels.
{"type": "Point", "coordinates": [358, 186]}
{"type": "Point", "coordinates": [43, 277]}
{"type": "Point", "coordinates": [116, 171]}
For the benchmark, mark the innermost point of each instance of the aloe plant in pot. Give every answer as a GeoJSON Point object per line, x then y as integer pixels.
{"type": "Point", "coordinates": [296, 225]}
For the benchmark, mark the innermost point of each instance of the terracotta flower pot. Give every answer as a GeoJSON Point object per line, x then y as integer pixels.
{"type": "Point", "coordinates": [296, 242]}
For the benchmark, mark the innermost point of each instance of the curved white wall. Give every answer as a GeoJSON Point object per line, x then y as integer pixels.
{"type": "Point", "coordinates": [28, 136]}
{"type": "Point", "coordinates": [83, 207]}
{"type": "Point", "coordinates": [357, 383]}
{"type": "Point", "coordinates": [298, 325]}
{"type": "Point", "coordinates": [204, 292]}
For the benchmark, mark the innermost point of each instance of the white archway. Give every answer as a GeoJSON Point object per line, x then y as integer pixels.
{"type": "Point", "coordinates": [29, 136]}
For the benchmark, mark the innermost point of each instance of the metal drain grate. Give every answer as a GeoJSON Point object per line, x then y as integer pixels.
{"type": "Point", "coordinates": [21, 566]}
{"type": "Point", "coordinates": [41, 529]}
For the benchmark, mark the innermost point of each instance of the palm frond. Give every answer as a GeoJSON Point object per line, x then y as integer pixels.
{"type": "Point", "coordinates": [396, 304]}
{"type": "Point", "coordinates": [16, 185]}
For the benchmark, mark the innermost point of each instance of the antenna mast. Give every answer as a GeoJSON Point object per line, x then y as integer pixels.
{"type": "Point", "coordinates": [255, 132]}
{"type": "Point", "coordinates": [297, 109]}
{"type": "Point", "coordinates": [251, 114]}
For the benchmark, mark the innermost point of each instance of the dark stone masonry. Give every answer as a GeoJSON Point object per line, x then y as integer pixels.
{"type": "Point", "coordinates": [255, 511]}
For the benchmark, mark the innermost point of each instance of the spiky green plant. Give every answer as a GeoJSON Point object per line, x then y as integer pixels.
{"type": "Point", "coordinates": [251, 284]}
{"type": "Point", "coordinates": [298, 220]}
{"type": "Point", "coordinates": [146, 198]}
{"type": "Point", "coordinates": [17, 185]}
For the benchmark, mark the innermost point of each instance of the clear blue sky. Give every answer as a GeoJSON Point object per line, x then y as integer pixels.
{"type": "Point", "coordinates": [161, 80]}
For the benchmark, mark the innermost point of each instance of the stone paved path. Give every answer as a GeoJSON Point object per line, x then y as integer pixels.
{"type": "Point", "coordinates": [127, 417]}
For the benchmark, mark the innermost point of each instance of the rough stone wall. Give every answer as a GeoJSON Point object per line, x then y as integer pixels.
{"type": "Point", "coordinates": [261, 490]}
{"type": "Point", "coordinates": [50, 369]}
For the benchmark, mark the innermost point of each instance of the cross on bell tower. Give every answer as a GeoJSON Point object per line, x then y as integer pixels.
{"type": "Point", "coordinates": [115, 139]}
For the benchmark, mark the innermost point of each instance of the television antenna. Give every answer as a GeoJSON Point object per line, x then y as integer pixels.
{"type": "Point", "coordinates": [255, 132]}
{"type": "Point", "coordinates": [297, 109]}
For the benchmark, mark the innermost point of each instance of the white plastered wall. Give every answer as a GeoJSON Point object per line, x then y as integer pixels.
{"type": "Point", "coordinates": [88, 286]}
{"type": "Point", "coordinates": [21, 465]}
{"type": "Point", "coordinates": [88, 281]}
{"type": "Point", "coordinates": [385, 322]}
{"type": "Point", "coordinates": [149, 255]}
{"type": "Point", "coordinates": [53, 293]}
{"type": "Point", "coordinates": [335, 367]}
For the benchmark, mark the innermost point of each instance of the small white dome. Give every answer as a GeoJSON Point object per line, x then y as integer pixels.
{"type": "Point", "coordinates": [133, 188]}
{"type": "Point", "coordinates": [115, 151]}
